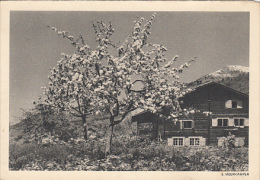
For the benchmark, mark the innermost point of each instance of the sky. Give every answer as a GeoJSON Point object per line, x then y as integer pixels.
{"type": "Point", "coordinates": [217, 39]}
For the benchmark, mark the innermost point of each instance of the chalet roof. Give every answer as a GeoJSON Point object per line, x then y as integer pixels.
{"type": "Point", "coordinates": [210, 83]}
{"type": "Point", "coordinates": [137, 112]}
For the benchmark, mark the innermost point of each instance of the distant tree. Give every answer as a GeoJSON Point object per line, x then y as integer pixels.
{"type": "Point", "coordinates": [100, 82]}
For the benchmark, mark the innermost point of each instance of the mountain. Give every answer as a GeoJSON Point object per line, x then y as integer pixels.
{"type": "Point", "coordinates": [233, 76]}
{"type": "Point", "coordinates": [229, 71]}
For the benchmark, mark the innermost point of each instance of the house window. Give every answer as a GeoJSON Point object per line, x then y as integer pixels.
{"type": "Point", "coordinates": [222, 122]}
{"type": "Point", "coordinates": [186, 124]}
{"type": "Point", "coordinates": [194, 141]}
{"type": "Point", "coordinates": [178, 141]}
{"type": "Point", "coordinates": [239, 121]}
{"type": "Point", "coordinates": [233, 104]}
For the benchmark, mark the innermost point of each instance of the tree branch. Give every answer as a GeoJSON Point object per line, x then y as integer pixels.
{"type": "Point", "coordinates": [129, 109]}
{"type": "Point", "coordinates": [109, 108]}
{"type": "Point", "coordinates": [117, 107]}
{"type": "Point", "coordinates": [77, 115]}
{"type": "Point", "coordinates": [77, 110]}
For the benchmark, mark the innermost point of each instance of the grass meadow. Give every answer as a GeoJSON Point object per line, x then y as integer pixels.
{"type": "Point", "coordinates": [35, 147]}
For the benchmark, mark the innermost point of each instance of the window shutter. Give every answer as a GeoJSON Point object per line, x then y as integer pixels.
{"type": "Point", "coordinates": [239, 141]}
{"type": "Point", "coordinates": [202, 141]}
{"type": "Point", "coordinates": [192, 124]}
{"type": "Point", "coordinates": [186, 141]}
{"type": "Point", "coordinates": [221, 141]}
{"type": "Point", "coordinates": [242, 141]}
{"type": "Point", "coordinates": [239, 104]}
{"type": "Point", "coordinates": [214, 122]}
{"type": "Point", "coordinates": [170, 141]}
{"type": "Point", "coordinates": [229, 104]}
{"type": "Point", "coordinates": [231, 122]}
{"type": "Point", "coordinates": [181, 124]}
{"type": "Point", "coordinates": [246, 123]}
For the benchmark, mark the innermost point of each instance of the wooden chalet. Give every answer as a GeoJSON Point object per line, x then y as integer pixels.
{"type": "Point", "coordinates": [219, 110]}
{"type": "Point", "coordinates": [148, 124]}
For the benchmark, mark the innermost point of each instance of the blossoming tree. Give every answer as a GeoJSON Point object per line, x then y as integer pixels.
{"type": "Point", "coordinates": [100, 82]}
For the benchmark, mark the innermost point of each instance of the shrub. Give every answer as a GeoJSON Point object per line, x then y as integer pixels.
{"type": "Point", "coordinates": [231, 140]}
{"type": "Point", "coordinates": [37, 126]}
{"type": "Point", "coordinates": [90, 155]}
{"type": "Point", "coordinates": [130, 153]}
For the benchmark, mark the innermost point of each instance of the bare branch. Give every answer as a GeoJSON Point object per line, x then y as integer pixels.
{"type": "Point", "coordinates": [77, 115]}
{"type": "Point", "coordinates": [128, 110]}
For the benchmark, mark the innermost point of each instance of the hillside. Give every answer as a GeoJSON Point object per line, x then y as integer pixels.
{"type": "Point", "coordinates": [236, 77]}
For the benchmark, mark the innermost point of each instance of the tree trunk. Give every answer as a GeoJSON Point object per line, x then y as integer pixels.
{"type": "Point", "coordinates": [85, 127]}
{"type": "Point", "coordinates": [109, 136]}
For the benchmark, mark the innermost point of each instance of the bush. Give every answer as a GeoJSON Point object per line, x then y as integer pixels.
{"type": "Point", "coordinates": [37, 126]}
{"type": "Point", "coordinates": [48, 151]}
{"type": "Point", "coordinates": [82, 155]}
{"type": "Point", "coordinates": [24, 155]}
{"type": "Point", "coordinates": [231, 140]}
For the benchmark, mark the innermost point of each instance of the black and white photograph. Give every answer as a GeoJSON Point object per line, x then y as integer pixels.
{"type": "Point", "coordinates": [130, 91]}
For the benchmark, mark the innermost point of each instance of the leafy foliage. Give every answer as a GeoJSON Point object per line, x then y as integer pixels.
{"type": "Point", "coordinates": [129, 153]}
{"type": "Point", "coordinates": [37, 127]}
{"type": "Point", "coordinates": [231, 140]}
{"type": "Point", "coordinates": [147, 156]}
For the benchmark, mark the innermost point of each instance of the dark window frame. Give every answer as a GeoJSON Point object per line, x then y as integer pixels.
{"type": "Point", "coordinates": [239, 122]}
{"type": "Point", "coordinates": [187, 124]}
{"type": "Point", "coordinates": [194, 141]}
{"type": "Point", "coordinates": [178, 141]}
{"type": "Point", "coordinates": [234, 104]}
{"type": "Point", "coordinates": [222, 122]}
